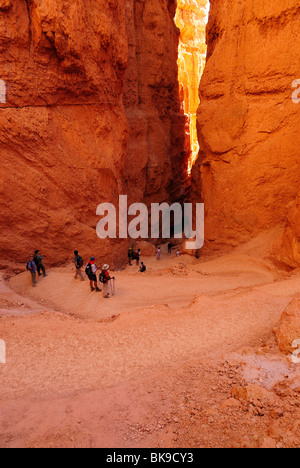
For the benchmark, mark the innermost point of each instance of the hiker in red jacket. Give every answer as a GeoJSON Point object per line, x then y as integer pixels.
{"type": "Point", "coordinates": [105, 278]}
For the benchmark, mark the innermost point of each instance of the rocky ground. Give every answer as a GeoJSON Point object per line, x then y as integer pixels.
{"type": "Point", "coordinates": [184, 356]}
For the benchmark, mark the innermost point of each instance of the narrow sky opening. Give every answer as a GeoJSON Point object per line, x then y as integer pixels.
{"type": "Point", "coordinates": [191, 18]}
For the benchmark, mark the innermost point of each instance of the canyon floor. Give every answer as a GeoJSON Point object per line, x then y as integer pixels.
{"type": "Point", "coordinates": [183, 356]}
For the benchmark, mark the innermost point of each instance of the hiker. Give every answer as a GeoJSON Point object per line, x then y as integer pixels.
{"type": "Point", "coordinates": [31, 267]}
{"type": "Point", "coordinates": [130, 256]}
{"type": "Point", "coordinates": [78, 266]}
{"type": "Point", "coordinates": [142, 268]}
{"type": "Point", "coordinates": [158, 253]}
{"type": "Point", "coordinates": [137, 256]}
{"type": "Point", "coordinates": [178, 253]}
{"type": "Point", "coordinates": [104, 279]}
{"type": "Point", "coordinates": [91, 270]}
{"type": "Point", "coordinates": [38, 260]}
{"type": "Point", "coordinates": [170, 248]}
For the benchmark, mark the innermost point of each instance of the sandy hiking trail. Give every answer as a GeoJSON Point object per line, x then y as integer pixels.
{"type": "Point", "coordinates": [84, 371]}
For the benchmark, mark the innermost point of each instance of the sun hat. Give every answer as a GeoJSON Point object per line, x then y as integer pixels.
{"type": "Point", "coordinates": [105, 267]}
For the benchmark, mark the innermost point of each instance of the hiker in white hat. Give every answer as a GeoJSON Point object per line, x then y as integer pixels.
{"type": "Point", "coordinates": [105, 278]}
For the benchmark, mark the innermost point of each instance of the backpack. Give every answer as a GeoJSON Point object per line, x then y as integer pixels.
{"type": "Point", "coordinates": [38, 259]}
{"type": "Point", "coordinates": [88, 269]}
{"type": "Point", "coordinates": [27, 266]}
{"type": "Point", "coordinates": [79, 262]}
{"type": "Point", "coordinates": [102, 277]}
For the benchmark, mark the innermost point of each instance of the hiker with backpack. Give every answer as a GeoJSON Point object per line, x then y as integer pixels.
{"type": "Point", "coordinates": [130, 256]}
{"type": "Point", "coordinates": [136, 256]}
{"type": "Point", "coordinates": [104, 278]}
{"type": "Point", "coordinates": [158, 253]}
{"type": "Point", "coordinates": [38, 260]}
{"type": "Point", "coordinates": [78, 266]}
{"type": "Point", "coordinates": [91, 272]}
{"type": "Point", "coordinates": [31, 267]}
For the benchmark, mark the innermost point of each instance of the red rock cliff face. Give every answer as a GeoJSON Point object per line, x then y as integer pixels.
{"type": "Point", "coordinates": [248, 171]}
{"type": "Point", "coordinates": [156, 164]}
{"type": "Point", "coordinates": [67, 141]}
{"type": "Point", "coordinates": [63, 131]}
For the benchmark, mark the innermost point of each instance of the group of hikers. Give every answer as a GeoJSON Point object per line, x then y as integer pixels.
{"type": "Point", "coordinates": [35, 266]}
{"type": "Point", "coordinates": [170, 250]}
{"type": "Point", "coordinates": [91, 270]}
{"type": "Point", "coordinates": [136, 255]}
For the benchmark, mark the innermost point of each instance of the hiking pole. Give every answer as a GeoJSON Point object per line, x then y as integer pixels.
{"type": "Point", "coordinates": [112, 286]}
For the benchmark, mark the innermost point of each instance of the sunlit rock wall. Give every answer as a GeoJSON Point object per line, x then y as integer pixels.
{"type": "Point", "coordinates": [248, 173]}
{"type": "Point", "coordinates": [191, 18]}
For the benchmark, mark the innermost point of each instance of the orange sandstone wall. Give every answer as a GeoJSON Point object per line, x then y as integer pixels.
{"type": "Point", "coordinates": [156, 163]}
{"type": "Point", "coordinates": [248, 173]}
{"type": "Point", "coordinates": [91, 112]}
{"type": "Point", "coordinates": [63, 130]}
{"type": "Point", "coordinates": [289, 248]}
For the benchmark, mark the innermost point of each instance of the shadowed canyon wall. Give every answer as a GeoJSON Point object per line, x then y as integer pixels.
{"type": "Point", "coordinates": [92, 111]}
{"type": "Point", "coordinates": [156, 164]}
{"type": "Point", "coordinates": [248, 171]}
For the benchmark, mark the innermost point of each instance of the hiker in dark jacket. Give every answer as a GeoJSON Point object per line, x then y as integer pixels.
{"type": "Point", "coordinates": [130, 256]}
{"type": "Point", "coordinates": [38, 260]}
{"type": "Point", "coordinates": [31, 267]}
{"type": "Point", "coordinates": [78, 266]}
{"type": "Point", "coordinates": [137, 256]}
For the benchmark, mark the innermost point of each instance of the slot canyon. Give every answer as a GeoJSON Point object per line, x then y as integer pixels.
{"type": "Point", "coordinates": [96, 107]}
{"type": "Point", "coordinates": [165, 101]}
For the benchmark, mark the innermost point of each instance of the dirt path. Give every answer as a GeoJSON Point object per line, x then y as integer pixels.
{"type": "Point", "coordinates": [94, 378]}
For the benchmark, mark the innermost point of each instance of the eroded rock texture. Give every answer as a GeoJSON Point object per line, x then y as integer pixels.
{"type": "Point", "coordinates": [67, 143]}
{"type": "Point", "coordinates": [289, 249]}
{"type": "Point", "coordinates": [248, 172]}
{"type": "Point", "coordinates": [156, 164]}
{"type": "Point", "coordinates": [288, 332]}
{"type": "Point", "coordinates": [63, 131]}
